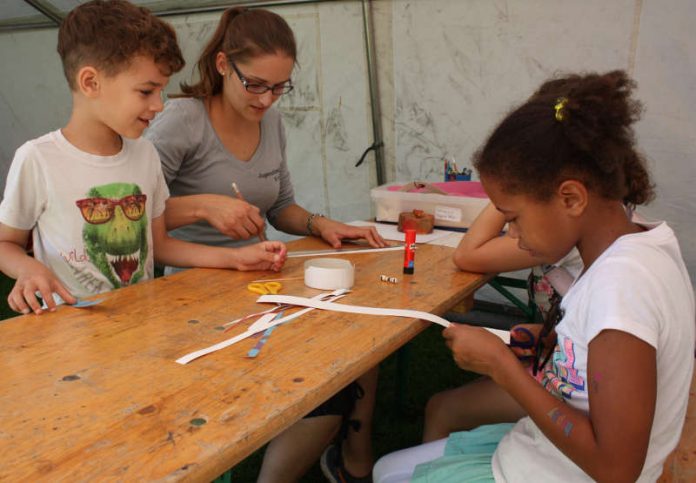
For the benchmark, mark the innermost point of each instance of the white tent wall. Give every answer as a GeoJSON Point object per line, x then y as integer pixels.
{"type": "Point", "coordinates": [448, 70]}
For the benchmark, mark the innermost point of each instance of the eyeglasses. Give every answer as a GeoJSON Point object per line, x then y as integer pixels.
{"type": "Point", "coordinates": [258, 88]}
{"type": "Point", "coordinates": [553, 317]}
{"type": "Point", "coordinates": [96, 211]}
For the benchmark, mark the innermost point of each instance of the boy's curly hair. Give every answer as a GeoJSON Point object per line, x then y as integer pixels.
{"type": "Point", "coordinates": [108, 34]}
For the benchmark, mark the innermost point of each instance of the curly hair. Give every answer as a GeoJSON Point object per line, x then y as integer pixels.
{"type": "Point", "coordinates": [572, 127]}
{"type": "Point", "coordinates": [108, 34]}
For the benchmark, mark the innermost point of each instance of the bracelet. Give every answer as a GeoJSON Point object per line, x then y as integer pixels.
{"type": "Point", "coordinates": [310, 220]}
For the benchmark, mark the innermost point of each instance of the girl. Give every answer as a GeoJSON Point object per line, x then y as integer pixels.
{"type": "Point", "coordinates": [614, 391]}
{"type": "Point", "coordinates": [483, 250]}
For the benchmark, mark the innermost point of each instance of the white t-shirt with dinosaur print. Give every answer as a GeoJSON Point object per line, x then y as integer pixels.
{"type": "Point", "coordinates": [90, 215]}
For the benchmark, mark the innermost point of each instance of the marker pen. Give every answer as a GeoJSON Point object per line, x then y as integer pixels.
{"type": "Point", "coordinates": [409, 251]}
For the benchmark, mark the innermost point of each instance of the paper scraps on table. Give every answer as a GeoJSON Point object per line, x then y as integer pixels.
{"type": "Point", "coordinates": [253, 352]}
{"type": "Point", "coordinates": [266, 321]}
{"type": "Point", "coordinates": [81, 304]}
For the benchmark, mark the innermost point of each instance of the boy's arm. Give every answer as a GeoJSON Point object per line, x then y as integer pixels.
{"type": "Point", "coordinates": [484, 250]}
{"type": "Point", "coordinates": [268, 255]}
{"type": "Point", "coordinates": [31, 275]}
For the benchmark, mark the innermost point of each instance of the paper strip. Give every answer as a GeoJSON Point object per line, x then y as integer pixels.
{"type": "Point", "coordinates": [340, 251]}
{"type": "Point", "coordinates": [81, 304]}
{"type": "Point", "coordinates": [359, 309]}
{"type": "Point", "coordinates": [254, 351]}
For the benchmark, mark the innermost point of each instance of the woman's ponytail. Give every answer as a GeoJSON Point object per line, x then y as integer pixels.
{"type": "Point", "coordinates": [241, 33]}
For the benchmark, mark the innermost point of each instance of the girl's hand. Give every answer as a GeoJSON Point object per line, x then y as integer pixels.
{"type": "Point", "coordinates": [333, 232]}
{"type": "Point", "coordinates": [37, 278]}
{"type": "Point", "coordinates": [233, 217]}
{"type": "Point", "coordinates": [268, 255]}
{"type": "Point", "coordinates": [475, 349]}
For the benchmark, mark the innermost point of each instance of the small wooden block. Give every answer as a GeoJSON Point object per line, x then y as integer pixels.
{"type": "Point", "coordinates": [416, 220]}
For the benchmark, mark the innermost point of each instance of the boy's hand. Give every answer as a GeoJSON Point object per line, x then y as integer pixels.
{"type": "Point", "coordinates": [268, 255]}
{"type": "Point", "coordinates": [37, 278]}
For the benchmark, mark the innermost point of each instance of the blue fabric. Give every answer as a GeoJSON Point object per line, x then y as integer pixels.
{"type": "Point", "coordinates": [467, 457]}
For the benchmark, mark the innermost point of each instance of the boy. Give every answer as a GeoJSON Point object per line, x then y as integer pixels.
{"type": "Point", "coordinates": [92, 193]}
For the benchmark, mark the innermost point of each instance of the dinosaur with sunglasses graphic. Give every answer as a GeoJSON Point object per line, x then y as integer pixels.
{"type": "Point", "coordinates": [115, 232]}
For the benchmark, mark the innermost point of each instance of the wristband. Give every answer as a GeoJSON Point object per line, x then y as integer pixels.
{"type": "Point", "coordinates": [310, 220]}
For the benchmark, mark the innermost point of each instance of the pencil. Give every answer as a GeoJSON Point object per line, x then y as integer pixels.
{"type": "Point", "coordinates": [239, 196]}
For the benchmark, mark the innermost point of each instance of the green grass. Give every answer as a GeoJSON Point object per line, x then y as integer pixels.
{"type": "Point", "coordinates": [396, 424]}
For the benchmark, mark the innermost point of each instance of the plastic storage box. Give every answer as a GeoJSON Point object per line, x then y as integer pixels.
{"type": "Point", "coordinates": [454, 204]}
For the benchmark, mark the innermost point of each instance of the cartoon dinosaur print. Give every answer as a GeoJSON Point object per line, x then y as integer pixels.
{"type": "Point", "coordinates": [115, 232]}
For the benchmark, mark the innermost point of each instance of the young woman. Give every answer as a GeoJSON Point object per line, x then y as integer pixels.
{"type": "Point", "coordinates": [614, 391]}
{"type": "Point", "coordinates": [223, 130]}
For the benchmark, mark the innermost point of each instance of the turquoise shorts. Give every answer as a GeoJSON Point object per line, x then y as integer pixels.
{"type": "Point", "coordinates": [467, 456]}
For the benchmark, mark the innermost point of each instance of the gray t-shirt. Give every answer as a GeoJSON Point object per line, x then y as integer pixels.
{"type": "Point", "coordinates": [195, 161]}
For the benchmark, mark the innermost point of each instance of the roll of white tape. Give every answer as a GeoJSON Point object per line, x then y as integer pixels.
{"type": "Point", "coordinates": [329, 273]}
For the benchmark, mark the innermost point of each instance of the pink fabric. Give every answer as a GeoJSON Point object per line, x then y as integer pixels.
{"type": "Point", "coordinates": [472, 189]}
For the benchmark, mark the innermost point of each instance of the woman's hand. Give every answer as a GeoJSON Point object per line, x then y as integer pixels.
{"type": "Point", "coordinates": [233, 217]}
{"type": "Point", "coordinates": [333, 232]}
{"type": "Point", "coordinates": [475, 349]}
{"type": "Point", "coordinates": [268, 255]}
{"type": "Point", "coordinates": [37, 278]}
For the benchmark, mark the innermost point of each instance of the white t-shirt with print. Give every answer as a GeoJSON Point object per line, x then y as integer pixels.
{"type": "Point", "coordinates": [49, 177]}
{"type": "Point", "coordinates": [639, 285]}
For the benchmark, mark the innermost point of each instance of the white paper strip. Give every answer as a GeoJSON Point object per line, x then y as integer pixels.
{"type": "Point", "coordinates": [359, 309]}
{"type": "Point", "coordinates": [340, 251]}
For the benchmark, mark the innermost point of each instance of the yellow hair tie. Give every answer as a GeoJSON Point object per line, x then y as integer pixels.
{"type": "Point", "coordinates": [560, 104]}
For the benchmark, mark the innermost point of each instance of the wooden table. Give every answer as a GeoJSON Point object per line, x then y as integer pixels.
{"type": "Point", "coordinates": [95, 393]}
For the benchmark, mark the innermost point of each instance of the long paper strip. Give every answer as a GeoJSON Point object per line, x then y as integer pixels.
{"type": "Point", "coordinates": [340, 251]}
{"type": "Point", "coordinates": [359, 309]}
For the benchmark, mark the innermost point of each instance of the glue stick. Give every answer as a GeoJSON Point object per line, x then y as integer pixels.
{"type": "Point", "coordinates": [409, 250]}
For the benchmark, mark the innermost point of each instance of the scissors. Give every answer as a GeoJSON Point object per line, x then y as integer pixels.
{"type": "Point", "coordinates": [525, 341]}
{"type": "Point", "coordinates": [267, 288]}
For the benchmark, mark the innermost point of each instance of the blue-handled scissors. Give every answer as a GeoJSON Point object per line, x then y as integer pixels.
{"type": "Point", "coordinates": [265, 288]}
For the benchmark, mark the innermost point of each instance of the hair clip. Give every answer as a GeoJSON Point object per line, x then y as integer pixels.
{"type": "Point", "coordinates": [560, 104]}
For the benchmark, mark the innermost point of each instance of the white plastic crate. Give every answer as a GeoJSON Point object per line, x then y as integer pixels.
{"type": "Point", "coordinates": [450, 211]}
